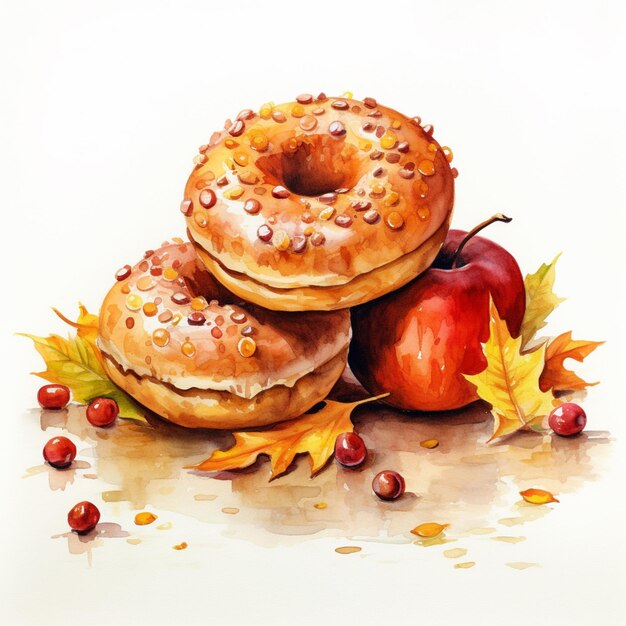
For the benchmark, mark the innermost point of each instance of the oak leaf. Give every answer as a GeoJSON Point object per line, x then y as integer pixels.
{"type": "Point", "coordinates": [555, 376]}
{"type": "Point", "coordinates": [77, 363]}
{"type": "Point", "coordinates": [313, 434]}
{"type": "Point", "coordinates": [510, 382]}
{"type": "Point", "coordinates": [540, 300]}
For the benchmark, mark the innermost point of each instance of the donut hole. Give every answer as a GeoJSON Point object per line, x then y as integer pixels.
{"type": "Point", "coordinates": [313, 165]}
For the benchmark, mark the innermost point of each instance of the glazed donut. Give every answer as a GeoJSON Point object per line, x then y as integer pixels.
{"type": "Point", "coordinates": [192, 352]}
{"type": "Point", "coordinates": [319, 204]}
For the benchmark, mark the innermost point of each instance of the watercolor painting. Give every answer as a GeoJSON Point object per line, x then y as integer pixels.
{"type": "Point", "coordinates": [317, 349]}
{"type": "Point", "coordinates": [319, 235]}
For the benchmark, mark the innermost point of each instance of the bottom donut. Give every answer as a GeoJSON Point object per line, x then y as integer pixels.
{"type": "Point", "coordinates": [206, 408]}
{"type": "Point", "coordinates": [194, 353]}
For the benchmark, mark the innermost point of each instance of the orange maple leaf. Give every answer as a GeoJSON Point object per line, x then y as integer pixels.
{"type": "Point", "coordinates": [313, 434]}
{"type": "Point", "coordinates": [555, 376]}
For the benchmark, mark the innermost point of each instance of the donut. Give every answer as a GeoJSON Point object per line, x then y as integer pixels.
{"type": "Point", "coordinates": [319, 204]}
{"type": "Point", "coordinates": [191, 351]}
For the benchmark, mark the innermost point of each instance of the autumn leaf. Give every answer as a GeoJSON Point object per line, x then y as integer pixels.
{"type": "Point", "coordinates": [429, 529]}
{"type": "Point", "coordinates": [555, 376]}
{"type": "Point", "coordinates": [510, 382]}
{"type": "Point", "coordinates": [86, 325]}
{"type": "Point", "coordinates": [540, 300]}
{"type": "Point", "coordinates": [537, 496]}
{"type": "Point", "coordinates": [313, 434]}
{"type": "Point", "coordinates": [77, 363]}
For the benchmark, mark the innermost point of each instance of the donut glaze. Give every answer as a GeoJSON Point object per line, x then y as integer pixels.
{"type": "Point", "coordinates": [315, 204]}
{"type": "Point", "coordinates": [190, 350]}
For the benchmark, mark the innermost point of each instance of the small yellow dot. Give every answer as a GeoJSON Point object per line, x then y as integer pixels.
{"type": "Point", "coordinates": [426, 167]}
{"type": "Point", "coordinates": [259, 142]}
{"type": "Point", "coordinates": [265, 112]}
{"type": "Point", "coordinates": [392, 199]}
{"type": "Point", "coordinates": [297, 110]}
{"type": "Point", "coordinates": [188, 349]}
{"type": "Point", "coordinates": [145, 283]}
{"type": "Point", "coordinates": [241, 158]}
{"type": "Point", "coordinates": [246, 347]}
{"type": "Point", "coordinates": [169, 273]}
{"type": "Point", "coordinates": [326, 213]}
{"type": "Point", "coordinates": [234, 193]}
{"type": "Point", "coordinates": [281, 240]}
{"type": "Point", "coordinates": [160, 337]}
{"type": "Point", "coordinates": [133, 302]}
{"type": "Point", "coordinates": [394, 220]}
{"type": "Point", "coordinates": [388, 140]}
{"type": "Point", "coordinates": [199, 304]}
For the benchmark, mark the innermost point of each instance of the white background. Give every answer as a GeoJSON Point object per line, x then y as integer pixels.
{"type": "Point", "coordinates": [102, 108]}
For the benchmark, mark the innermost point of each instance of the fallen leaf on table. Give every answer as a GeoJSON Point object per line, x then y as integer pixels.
{"type": "Point", "coordinates": [76, 363]}
{"type": "Point", "coordinates": [537, 496]}
{"type": "Point", "coordinates": [540, 300]}
{"type": "Point", "coordinates": [313, 434]}
{"type": "Point", "coordinates": [555, 376]}
{"type": "Point", "coordinates": [510, 383]}
{"type": "Point", "coordinates": [429, 529]}
{"type": "Point", "coordinates": [144, 518]}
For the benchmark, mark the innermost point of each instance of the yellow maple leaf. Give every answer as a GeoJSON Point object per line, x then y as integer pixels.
{"type": "Point", "coordinates": [429, 529]}
{"type": "Point", "coordinates": [540, 300]}
{"type": "Point", "coordinates": [510, 382]}
{"type": "Point", "coordinates": [313, 434]}
{"type": "Point", "coordinates": [555, 376]}
{"type": "Point", "coordinates": [86, 325]}
{"type": "Point", "coordinates": [77, 363]}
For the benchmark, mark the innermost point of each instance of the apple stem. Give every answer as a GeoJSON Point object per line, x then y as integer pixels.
{"type": "Point", "coordinates": [498, 217]}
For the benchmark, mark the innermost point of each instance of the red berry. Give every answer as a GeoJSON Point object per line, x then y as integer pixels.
{"type": "Point", "coordinates": [53, 397]}
{"type": "Point", "coordinates": [350, 450]}
{"type": "Point", "coordinates": [388, 485]}
{"type": "Point", "coordinates": [83, 517]}
{"type": "Point", "coordinates": [59, 452]}
{"type": "Point", "coordinates": [567, 420]}
{"type": "Point", "coordinates": [102, 411]}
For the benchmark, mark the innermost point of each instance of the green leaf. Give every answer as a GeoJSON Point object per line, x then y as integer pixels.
{"type": "Point", "coordinates": [75, 362]}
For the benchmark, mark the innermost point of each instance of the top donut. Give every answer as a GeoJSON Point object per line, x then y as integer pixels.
{"type": "Point", "coordinates": [319, 204]}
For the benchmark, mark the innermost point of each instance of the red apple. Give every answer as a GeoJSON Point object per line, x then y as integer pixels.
{"type": "Point", "coordinates": [416, 343]}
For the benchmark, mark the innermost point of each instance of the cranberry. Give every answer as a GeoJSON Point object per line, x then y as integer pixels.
{"type": "Point", "coordinates": [102, 411]}
{"type": "Point", "coordinates": [59, 452]}
{"type": "Point", "coordinates": [388, 485]}
{"type": "Point", "coordinates": [567, 420]}
{"type": "Point", "coordinates": [350, 450]}
{"type": "Point", "coordinates": [83, 517]}
{"type": "Point", "coordinates": [53, 397]}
